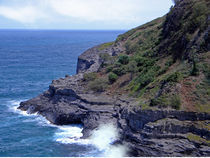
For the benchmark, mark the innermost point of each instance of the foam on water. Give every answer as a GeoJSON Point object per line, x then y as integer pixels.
{"type": "Point", "coordinates": [13, 106]}
{"type": "Point", "coordinates": [102, 138]}
{"type": "Point", "coordinates": [70, 134]}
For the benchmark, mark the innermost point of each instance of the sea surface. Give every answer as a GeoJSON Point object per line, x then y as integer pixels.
{"type": "Point", "coordinates": [29, 61]}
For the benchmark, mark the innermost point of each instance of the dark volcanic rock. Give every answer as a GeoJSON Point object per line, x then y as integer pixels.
{"type": "Point", "coordinates": [89, 61]}
{"type": "Point", "coordinates": [145, 132]}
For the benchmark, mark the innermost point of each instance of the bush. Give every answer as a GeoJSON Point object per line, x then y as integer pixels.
{"type": "Point", "coordinates": [165, 101]}
{"type": "Point", "coordinates": [112, 77]}
{"type": "Point", "coordinates": [143, 61]}
{"type": "Point", "coordinates": [169, 62]}
{"type": "Point", "coordinates": [160, 101]}
{"type": "Point", "coordinates": [105, 59]}
{"type": "Point", "coordinates": [132, 67]}
{"type": "Point", "coordinates": [174, 77]}
{"type": "Point", "coordinates": [119, 71]}
{"type": "Point", "coordinates": [109, 68]}
{"type": "Point", "coordinates": [90, 76]}
{"type": "Point", "coordinates": [98, 85]}
{"type": "Point", "coordinates": [123, 59]}
{"type": "Point", "coordinates": [195, 70]}
{"type": "Point", "coordinates": [175, 102]}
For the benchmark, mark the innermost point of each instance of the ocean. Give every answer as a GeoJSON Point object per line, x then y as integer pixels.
{"type": "Point", "coordinates": [29, 61]}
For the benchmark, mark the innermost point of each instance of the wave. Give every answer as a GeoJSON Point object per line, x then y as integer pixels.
{"type": "Point", "coordinates": [66, 134]}
{"type": "Point", "coordinates": [13, 107]}
{"type": "Point", "coordinates": [102, 138]}
{"type": "Point", "coordinates": [70, 134]}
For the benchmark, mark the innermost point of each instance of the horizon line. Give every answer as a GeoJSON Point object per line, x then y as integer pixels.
{"type": "Point", "coordinates": [31, 29]}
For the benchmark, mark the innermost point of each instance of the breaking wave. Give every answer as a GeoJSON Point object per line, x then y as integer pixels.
{"type": "Point", "coordinates": [102, 138]}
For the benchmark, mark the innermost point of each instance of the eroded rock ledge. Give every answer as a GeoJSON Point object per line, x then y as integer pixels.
{"type": "Point", "coordinates": [145, 132]}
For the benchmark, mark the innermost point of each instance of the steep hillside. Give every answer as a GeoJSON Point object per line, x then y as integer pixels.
{"type": "Point", "coordinates": [164, 63]}
{"type": "Point", "coordinates": [152, 83]}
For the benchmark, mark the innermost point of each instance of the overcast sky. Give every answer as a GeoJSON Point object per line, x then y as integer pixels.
{"type": "Point", "coordinates": [79, 14]}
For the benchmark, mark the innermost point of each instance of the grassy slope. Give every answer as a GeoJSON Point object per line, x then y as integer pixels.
{"type": "Point", "coordinates": [165, 63]}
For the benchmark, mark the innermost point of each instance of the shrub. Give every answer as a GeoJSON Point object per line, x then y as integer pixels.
{"type": "Point", "coordinates": [165, 101]}
{"type": "Point", "coordinates": [175, 102]}
{"type": "Point", "coordinates": [195, 70]}
{"type": "Point", "coordinates": [123, 59]}
{"type": "Point", "coordinates": [169, 62]}
{"type": "Point", "coordinates": [160, 101]}
{"type": "Point", "coordinates": [109, 68]}
{"type": "Point", "coordinates": [143, 61]}
{"type": "Point", "coordinates": [90, 76]}
{"type": "Point", "coordinates": [105, 59]}
{"type": "Point", "coordinates": [174, 77]}
{"type": "Point", "coordinates": [112, 77]}
{"type": "Point", "coordinates": [119, 71]}
{"type": "Point", "coordinates": [98, 85]}
{"type": "Point", "coordinates": [132, 67]}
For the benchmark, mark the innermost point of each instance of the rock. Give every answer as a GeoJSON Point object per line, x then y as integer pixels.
{"type": "Point", "coordinates": [89, 61]}
{"type": "Point", "coordinates": [145, 132]}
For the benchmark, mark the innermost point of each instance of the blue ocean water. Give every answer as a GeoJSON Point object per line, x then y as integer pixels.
{"type": "Point", "coordinates": [29, 61]}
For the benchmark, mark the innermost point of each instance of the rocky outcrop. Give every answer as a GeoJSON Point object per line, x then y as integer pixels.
{"type": "Point", "coordinates": [163, 132]}
{"type": "Point", "coordinates": [89, 61]}
{"type": "Point", "coordinates": [145, 132]}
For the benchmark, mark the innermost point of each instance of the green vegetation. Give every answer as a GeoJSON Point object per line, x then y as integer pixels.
{"type": "Point", "coordinates": [105, 45]}
{"type": "Point", "coordinates": [106, 59]}
{"type": "Point", "coordinates": [198, 139]}
{"type": "Point", "coordinates": [123, 59]}
{"type": "Point", "coordinates": [173, 101]}
{"type": "Point", "coordinates": [112, 77]}
{"type": "Point", "coordinates": [173, 77]}
{"type": "Point", "coordinates": [90, 76]}
{"type": "Point", "coordinates": [161, 59]}
{"type": "Point", "coordinates": [195, 70]}
{"type": "Point", "coordinates": [98, 85]}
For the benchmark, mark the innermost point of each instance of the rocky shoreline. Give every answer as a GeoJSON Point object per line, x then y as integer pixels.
{"type": "Point", "coordinates": [145, 132]}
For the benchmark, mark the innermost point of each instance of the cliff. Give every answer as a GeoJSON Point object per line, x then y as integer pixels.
{"type": "Point", "coordinates": [152, 83]}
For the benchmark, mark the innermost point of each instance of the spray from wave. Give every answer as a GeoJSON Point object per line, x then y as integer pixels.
{"type": "Point", "coordinates": [102, 138]}
{"type": "Point", "coordinates": [13, 106]}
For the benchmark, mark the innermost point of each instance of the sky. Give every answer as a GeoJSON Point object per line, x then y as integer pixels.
{"type": "Point", "coordinates": [80, 14]}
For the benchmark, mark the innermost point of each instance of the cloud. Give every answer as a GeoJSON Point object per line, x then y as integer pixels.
{"type": "Point", "coordinates": [117, 13]}
{"type": "Point", "coordinates": [26, 14]}
{"type": "Point", "coordinates": [97, 10]}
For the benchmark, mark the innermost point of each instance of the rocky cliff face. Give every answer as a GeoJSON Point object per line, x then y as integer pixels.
{"type": "Point", "coordinates": [159, 131]}
{"type": "Point", "coordinates": [145, 132]}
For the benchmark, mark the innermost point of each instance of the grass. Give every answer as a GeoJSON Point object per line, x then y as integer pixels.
{"type": "Point", "coordinates": [98, 85]}
{"type": "Point", "coordinates": [90, 76]}
{"type": "Point", "coordinates": [157, 60]}
{"type": "Point", "coordinates": [197, 139]}
{"type": "Point", "coordinates": [105, 45]}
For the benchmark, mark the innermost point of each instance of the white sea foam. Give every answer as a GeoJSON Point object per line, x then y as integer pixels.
{"type": "Point", "coordinates": [70, 134]}
{"type": "Point", "coordinates": [102, 138]}
{"type": "Point", "coordinates": [13, 106]}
